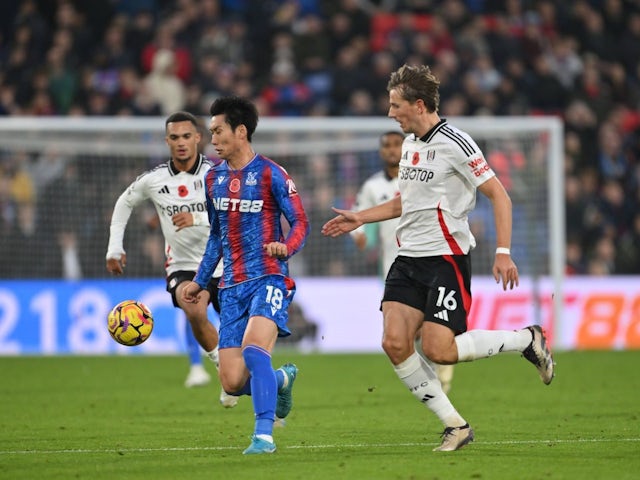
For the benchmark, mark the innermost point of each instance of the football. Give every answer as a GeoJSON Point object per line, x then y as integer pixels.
{"type": "Point", "coordinates": [130, 323]}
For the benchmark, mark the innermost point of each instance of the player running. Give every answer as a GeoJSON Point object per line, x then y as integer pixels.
{"type": "Point", "coordinates": [378, 188]}
{"type": "Point", "coordinates": [247, 196]}
{"type": "Point", "coordinates": [429, 284]}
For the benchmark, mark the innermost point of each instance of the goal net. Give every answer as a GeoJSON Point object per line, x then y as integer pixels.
{"type": "Point", "coordinates": [62, 176]}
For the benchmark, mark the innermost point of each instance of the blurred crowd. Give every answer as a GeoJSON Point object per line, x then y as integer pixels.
{"type": "Point", "coordinates": [577, 60]}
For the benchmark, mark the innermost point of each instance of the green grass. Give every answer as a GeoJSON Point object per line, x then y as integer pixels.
{"type": "Point", "coordinates": [131, 418]}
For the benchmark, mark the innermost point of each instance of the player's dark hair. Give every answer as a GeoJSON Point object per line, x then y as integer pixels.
{"type": "Point", "coordinates": [237, 111]}
{"type": "Point", "coordinates": [391, 132]}
{"type": "Point", "coordinates": [181, 117]}
{"type": "Point", "coordinates": [416, 82]}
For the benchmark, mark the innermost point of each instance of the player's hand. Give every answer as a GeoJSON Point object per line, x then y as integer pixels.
{"type": "Point", "coordinates": [345, 222]}
{"type": "Point", "coordinates": [505, 269]}
{"type": "Point", "coordinates": [182, 220]}
{"type": "Point", "coordinates": [116, 266]}
{"type": "Point", "coordinates": [191, 292]}
{"type": "Point", "coordinates": [276, 249]}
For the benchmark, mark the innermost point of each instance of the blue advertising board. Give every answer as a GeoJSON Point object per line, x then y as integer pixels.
{"type": "Point", "coordinates": [66, 318]}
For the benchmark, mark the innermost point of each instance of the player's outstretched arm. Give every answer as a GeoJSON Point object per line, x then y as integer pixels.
{"type": "Point", "coordinates": [190, 292]}
{"type": "Point", "coordinates": [116, 266]}
{"type": "Point", "coordinates": [347, 220]}
{"type": "Point", "coordinates": [344, 222]}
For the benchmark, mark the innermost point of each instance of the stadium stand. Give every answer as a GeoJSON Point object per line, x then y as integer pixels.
{"type": "Point", "coordinates": [577, 60]}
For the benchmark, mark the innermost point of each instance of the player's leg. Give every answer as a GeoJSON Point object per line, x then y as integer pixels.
{"type": "Point", "coordinates": [444, 372]}
{"type": "Point", "coordinates": [234, 375]}
{"type": "Point", "coordinates": [198, 375]}
{"type": "Point", "coordinates": [449, 305]}
{"type": "Point", "coordinates": [529, 341]}
{"type": "Point", "coordinates": [270, 391]}
{"type": "Point", "coordinates": [257, 346]}
{"type": "Point", "coordinates": [406, 301]}
{"type": "Point", "coordinates": [226, 400]}
{"type": "Point", "coordinates": [419, 374]}
{"type": "Point", "coordinates": [445, 375]}
{"type": "Point", "coordinates": [204, 331]}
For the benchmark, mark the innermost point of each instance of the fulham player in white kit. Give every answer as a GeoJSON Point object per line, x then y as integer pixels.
{"type": "Point", "coordinates": [176, 189]}
{"type": "Point", "coordinates": [429, 284]}
{"type": "Point", "coordinates": [378, 188]}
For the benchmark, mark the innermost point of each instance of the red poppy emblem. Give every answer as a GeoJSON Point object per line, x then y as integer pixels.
{"type": "Point", "coordinates": [183, 191]}
{"type": "Point", "coordinates": [234, 186]}
{"type": "Point", "coordinates": [416, 158]}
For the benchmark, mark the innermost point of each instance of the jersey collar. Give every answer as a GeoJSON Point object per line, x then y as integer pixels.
{"type": "Point", "coordinates": [193, 170]}
{"type": "Point", "coordinates": [427, 136]}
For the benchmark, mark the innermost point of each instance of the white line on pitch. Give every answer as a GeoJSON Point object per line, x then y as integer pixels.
{"type": "Point", "coordinates": [311, 447]}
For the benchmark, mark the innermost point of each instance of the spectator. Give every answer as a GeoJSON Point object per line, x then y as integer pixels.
{"type": "Point", "coordinates": [575, 207]}
{"type": "Point", "coordinates": [139, 33]}
{"type": "Point", "coordinates": [611, 159]}
{"type": "Point", "coordinates": [349, 76]}
{"type": "Point", "coordinates": [548, 96]}
{"type": "Point", "coordinates": [21, 240]}
{"type": "Point", "coordinates": [164, 39]}
{"type": "Point", "coordinates": [629, 45]}
{"type": "Point", "coordinates": [581, 121]}
{"type": "Point", "coordinates": [628, 254]}
{"type": "Point", "coordinates": [62, 80]}
{"type": "Point", "coordinates": [70, 194]}
{"type": "Point", "coordinates": [162, 83]}
{"type": "Point", "coordinates": [564, 61]}
{"type": "Point", "coordinates": [285, 95]}
{"type": "Point", "coordinates": [572, 59]}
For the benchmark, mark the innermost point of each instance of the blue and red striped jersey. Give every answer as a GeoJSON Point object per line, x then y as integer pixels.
{"type": "Point", "coordinates": [245, 212]}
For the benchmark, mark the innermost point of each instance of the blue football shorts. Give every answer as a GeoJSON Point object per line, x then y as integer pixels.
{"type": "Point", "coordinates": [267, 296]}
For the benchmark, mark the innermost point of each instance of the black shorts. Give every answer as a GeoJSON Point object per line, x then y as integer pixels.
{"type": "Point", "coordinates": [439, 286]}
{"type": "Point", "coordinates": [176, 278]}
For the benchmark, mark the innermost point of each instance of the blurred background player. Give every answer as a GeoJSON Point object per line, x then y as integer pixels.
{"type": "Point", "coordinates": [378, 188]}
{"type": "Point", "coordinates": [248, 196]}
{"type": "Point", "coordinates": [176, 189]}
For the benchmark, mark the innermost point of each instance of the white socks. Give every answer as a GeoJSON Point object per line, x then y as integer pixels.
{"type": "Point", "coordinates": [421, 380]}
{"type": "Point", "coordinates": [213, 356]}
{"type": "Point", "coordinates": [477, 344]}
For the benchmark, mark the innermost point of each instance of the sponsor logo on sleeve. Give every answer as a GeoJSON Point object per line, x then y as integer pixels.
{"type": "Point", "coordinates": [478, 166]}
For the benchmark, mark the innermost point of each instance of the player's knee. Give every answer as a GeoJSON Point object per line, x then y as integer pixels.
{"type": "Point", "coordinates": [232, 383]}
{"type": "Point", "coordinates": [196, 315]}
{"type": "Point", "coordinates": [395, 347]}
{"type": "Point", "coordinates": [437, 354]}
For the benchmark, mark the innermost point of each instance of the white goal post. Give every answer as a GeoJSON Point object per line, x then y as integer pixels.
{"type": "Point", "coordinates": [329, 157]}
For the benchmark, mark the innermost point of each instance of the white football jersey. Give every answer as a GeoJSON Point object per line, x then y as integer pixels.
{"type": "Point", "coordinates": [171, 191]}
{"type": "Point", "coordinates": [379, 188]}
{"type": "Point", "coordinates": [439, 175]}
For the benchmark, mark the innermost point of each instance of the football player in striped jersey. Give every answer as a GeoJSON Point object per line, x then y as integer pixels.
{"type": "Point", "coordinates": [247, 197]}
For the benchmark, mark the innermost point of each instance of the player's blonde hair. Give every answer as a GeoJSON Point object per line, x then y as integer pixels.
{"type": "Point", "coordinates": [416, 82]}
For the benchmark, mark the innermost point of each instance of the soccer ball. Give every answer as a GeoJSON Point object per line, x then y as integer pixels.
{"type": "Point", "coordinates": [130, 323]}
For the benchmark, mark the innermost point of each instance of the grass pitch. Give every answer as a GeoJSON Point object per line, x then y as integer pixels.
{"type": "Point", "coordinates": [131, 418]}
